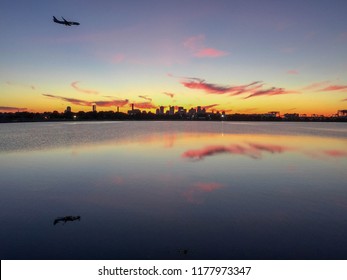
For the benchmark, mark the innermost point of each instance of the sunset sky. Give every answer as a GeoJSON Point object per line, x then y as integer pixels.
{"type": "Point", "coordinates": [241, 56]}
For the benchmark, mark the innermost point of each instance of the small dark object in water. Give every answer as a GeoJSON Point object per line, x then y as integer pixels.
{"type": "Point", "coordinates": [66, 219]}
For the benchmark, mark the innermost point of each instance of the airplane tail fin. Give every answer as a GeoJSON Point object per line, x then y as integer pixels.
{"type": "Point", "coordinates": [55, 19]}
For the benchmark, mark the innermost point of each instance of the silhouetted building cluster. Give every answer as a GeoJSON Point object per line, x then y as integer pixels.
{"type": "Point", "coordinates": [172, 113]}
{"type": "Point", "coordinates": [198, 113]}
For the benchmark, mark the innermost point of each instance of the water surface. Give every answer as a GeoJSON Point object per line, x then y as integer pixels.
{"type": "Point", "coordinates": [173, 190]}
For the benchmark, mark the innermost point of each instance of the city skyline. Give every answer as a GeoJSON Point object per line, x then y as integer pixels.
{"type": "Point", "coordinates": [235, 56]}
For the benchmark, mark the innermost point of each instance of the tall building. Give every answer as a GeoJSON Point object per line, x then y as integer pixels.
{"type": "Point", "coordinates": [161, 110]}
{"type": "Point", "coordinates": [94, 108]}
{"type": "Point", "coordinates": [68, 109]}
{"type": "Point", "coordinates": [172, 110]}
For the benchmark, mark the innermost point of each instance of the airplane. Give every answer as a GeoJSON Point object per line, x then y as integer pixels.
{"type": "Point", "coordinates": [66, 219]}
{"type": "Point", "coordinates": [64, 21]}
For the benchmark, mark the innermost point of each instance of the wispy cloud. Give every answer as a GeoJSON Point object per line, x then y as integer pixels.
{"type": "Point", "coordinates": [171, 95]}
{"type": "Point", "coordinates": [144, 105]}
{"type": "Point", "coordinates": [207, 107]}
{"type": "Point", "coordinates": [196, 44]}
{"type": "Point", "coordinates": [112, 103]}
{"type": "Point", "coordinates": [12, 109]}
{"type": "Point", "coordinates": [271, 91]}
{"type": "Point", "coordinates": [70, 100]}
{"type": "Point", "coordinates": [194, 83]}
{"type": "Point", "coordinates": [335, 88]}
{"type": "Point", "coordinates": [316, 86]}
{"type": "Point", "coordinates": [145, 97]}
{"type": "Point", "coordinates": [20, 85]}
{"type": "Point", "coordinates": [253, 88]}
{"type": "Point", "coordinates": [325, 86]}
{"type": "Point", "coordinates": [237, 90]}
{"type": "Point", "coordinates": [210, 52]}
{"type": "Point", "coordinates": [88, 91]}
{"type": "Point", "coordinates": [101, 103]}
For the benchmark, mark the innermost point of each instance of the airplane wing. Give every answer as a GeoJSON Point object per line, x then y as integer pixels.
{"type": "Point", "coordinates": [66, 22]}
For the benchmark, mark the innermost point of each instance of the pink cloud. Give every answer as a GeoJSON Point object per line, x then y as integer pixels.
{"type": "Point", "coordinates": [237, 90]}
{"type": "Point", "coordinates": [210, 88]}
{"type": "Point", "coordinates": [116, 103]}
{"type": "Point", "coordinates": [196, 83]}
{"type": "Point", "coordinates": [254, 88]}
{"type": "Point", "coordinates": [88, 91]}
{"type": "Point", "coordinates": [270, 91]}
{"type": "Point", "coordinates": [196, 44]}
{"type": "Point", "coordinates": [102, 103]}
{"type": "Point", "coordinates": [335, 88]}
{"type": "Point", "coordinates": [145, 105]}
{"type": "Point", "coordinates": [316, 86]}
{"type": "Point", "coordinates": [210, 52]}
{"type": "Point", "coordinates": [293, 72]}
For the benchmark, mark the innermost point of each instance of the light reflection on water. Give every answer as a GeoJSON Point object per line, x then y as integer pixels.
{"type": "Point", "coordinates": [148, 190]}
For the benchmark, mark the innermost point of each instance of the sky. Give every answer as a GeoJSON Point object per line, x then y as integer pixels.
{"type": "Point", "coordinates": [240, 56]}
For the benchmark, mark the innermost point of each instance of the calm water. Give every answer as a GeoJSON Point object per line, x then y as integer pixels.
{"type": "Point", "coordinates": [173, 190]}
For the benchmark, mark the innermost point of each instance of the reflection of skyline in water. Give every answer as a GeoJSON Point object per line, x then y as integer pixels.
{"type": "Point", "coordinates": [151, 192]}
{"type": "Point", "coordinates": [40, 136]}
